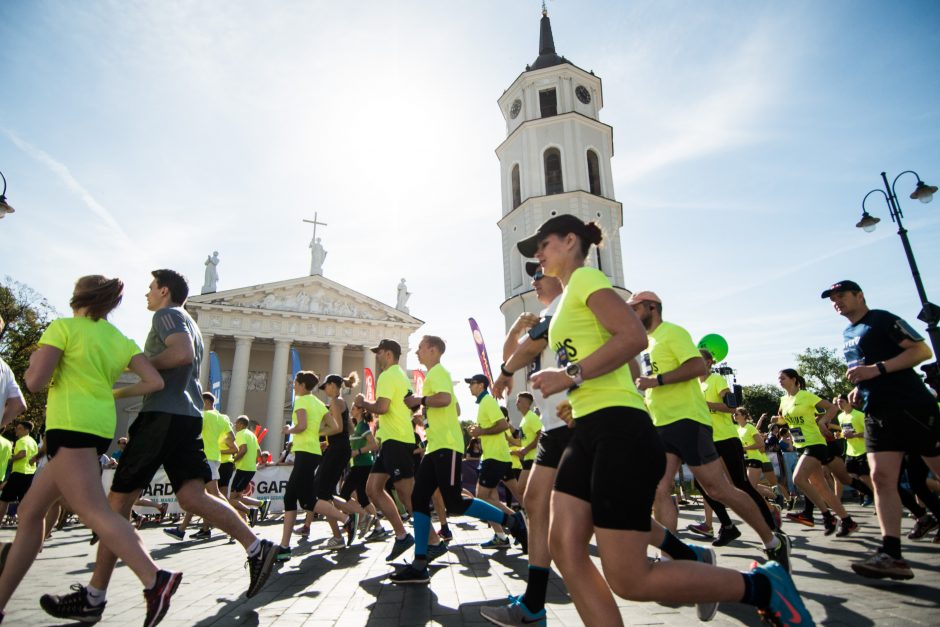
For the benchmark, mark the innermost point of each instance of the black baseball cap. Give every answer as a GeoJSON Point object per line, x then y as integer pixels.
{"type": "Point", "coordinates": [388, 345]}
{"type": "Point", "coordinates": [842, 286]}
{"type": "Point", "coordinates": [332, 378]}
{"type": "Point", "coordinates": [533, 267]}
{"type": "Point", "coordinates": [559, 225]}
{"type": "Point", "coordinates": [478, 378]}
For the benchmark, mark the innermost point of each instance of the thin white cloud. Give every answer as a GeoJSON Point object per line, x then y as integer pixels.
{"type": "Point", "coordinates": [65, 175]}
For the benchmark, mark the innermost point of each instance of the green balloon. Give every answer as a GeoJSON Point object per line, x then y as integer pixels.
{"type": "Point", "coordinates": [716, 345]}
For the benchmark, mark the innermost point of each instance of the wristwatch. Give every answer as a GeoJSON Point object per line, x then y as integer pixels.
{"type": "Point", "coordinates": [574, 371]}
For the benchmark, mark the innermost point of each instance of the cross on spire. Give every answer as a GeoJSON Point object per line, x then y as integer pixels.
{"type": "Point", "coordinates": [314, 222]}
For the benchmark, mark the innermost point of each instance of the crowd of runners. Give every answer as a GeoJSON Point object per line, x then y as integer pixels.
{"type": "Point", "coordinates": [619, 400]}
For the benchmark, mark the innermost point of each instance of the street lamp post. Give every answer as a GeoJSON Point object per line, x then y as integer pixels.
{"type": "Point", "coordinates": [4, 207]}
{"type": "Point", "coordinates": [929, 312]}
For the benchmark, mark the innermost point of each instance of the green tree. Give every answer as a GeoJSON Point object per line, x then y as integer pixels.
{"type": "Point", "coordinates": [762, 398]}
{"type": "Point", "coordinates": [824, 371]}
{"type": "Point", "coordinates": [27, 314]}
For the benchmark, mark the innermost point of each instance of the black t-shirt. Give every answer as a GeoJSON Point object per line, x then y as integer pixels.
{"type": "Point", "coordinates": [877, 337]}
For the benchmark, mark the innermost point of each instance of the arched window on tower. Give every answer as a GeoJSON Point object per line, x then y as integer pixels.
{"type": "Point", "coordinates": [594, 173]}
{"type": "Point", "coordinates": [516, 187]}
{"type": "Point", "coordinates": [553, 179]}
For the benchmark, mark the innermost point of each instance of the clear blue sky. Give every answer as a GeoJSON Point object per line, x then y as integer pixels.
{"type": "Point", "coordinates": [148, 134]}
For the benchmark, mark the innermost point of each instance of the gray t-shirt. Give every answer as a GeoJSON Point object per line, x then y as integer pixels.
{"type": "Point", "coordinates": [181, 393]}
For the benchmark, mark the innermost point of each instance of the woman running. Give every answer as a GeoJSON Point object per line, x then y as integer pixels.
{"type": "Point", "coordinates": [85, 355]}
{"type": "Point", "coordinates": [362, 445]}
{"type": "Point", "coordinates": [756, 460]}
{"type": "Point", "coordinates": [610, 470]}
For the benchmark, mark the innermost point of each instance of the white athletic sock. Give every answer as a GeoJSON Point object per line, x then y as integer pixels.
{"type": "Point", "coordinates": [254, 548]}
{"type": "Point", "coordinates": [773, 544]}
{"type": "Point", "coordinates": [95, 596]}
{"type": "Point", "coordinates": [402, 536]}
{"type": "Point", "coordinates": [502, 536]}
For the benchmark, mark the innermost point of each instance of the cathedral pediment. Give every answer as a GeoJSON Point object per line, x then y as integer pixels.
{"type": "Point", "coordinates": [306, 297]}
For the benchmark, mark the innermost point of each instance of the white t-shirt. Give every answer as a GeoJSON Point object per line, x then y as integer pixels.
{"type": "Point", "coordinates": [8, 386]}
{"type": "Point", "coordinates": [547, 406]}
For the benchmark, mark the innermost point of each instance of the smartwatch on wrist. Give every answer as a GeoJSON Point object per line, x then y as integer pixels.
{"type": "Point", "coordinates": [659, 380]}
{"type": "Point", "coordinates": [574, 371]}
{"type": "Point", "coordinates": [502, 368]}
{"type": "Point", "coordinates": [881, 367]}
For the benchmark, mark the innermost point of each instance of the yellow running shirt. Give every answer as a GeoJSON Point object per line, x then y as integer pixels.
{"type": "Point", "coordinates": [225, 457]}
{"type": "Point", "coordinates": [94, 354]}
{"type": "Point", "coordinates": [514, 459]}
{"type": "Point", "coordinates": [394, 385]}
{"type": "Point", "coordinates": [856, 421]}
{"type": "Point", "coordinates": [249, 460]}
{"type": "Point", "coordinates": [747, 433]}
{"type": "Point", "coordinates": [800, 413]}
{"type": "Point", "coordinates": [531, 425]}
{"type": "Point", "coordinates": [25, 465]}
{"type": "Point", "coordinates": [723, 425]}
{"type": "Point", "coordinates": [6, 452]}
{"type": "Point", "coordinates": [494, 445]}
{"type": "Point", "coordinates": [671, 346]}
{"type": "Point", "coordinates": [214, 426]}
{"type": "Point", "coordinates": [574, 333]}
{"type": "Point", "coordinates": [443, 430]}
{"type": "Point", "coordinates": [308, 441]}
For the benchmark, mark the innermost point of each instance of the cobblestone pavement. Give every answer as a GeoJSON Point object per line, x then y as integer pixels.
{"type": "Point", "coordinates": [320, 587]}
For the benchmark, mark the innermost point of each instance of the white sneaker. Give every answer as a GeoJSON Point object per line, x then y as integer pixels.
{"type": "Point", "coordinates": [335, 543]}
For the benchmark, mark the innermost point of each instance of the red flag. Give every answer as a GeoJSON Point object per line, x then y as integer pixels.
{"type": "Point", "coordinates": [418, 376]}
{"type": "Point", "coordinates": [370, 385]}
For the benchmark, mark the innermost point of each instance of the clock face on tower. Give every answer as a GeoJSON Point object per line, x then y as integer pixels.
{"type": "Point", "coordinates": [583, 94]}
{"type": "Point", "coordinates": [515, 108]}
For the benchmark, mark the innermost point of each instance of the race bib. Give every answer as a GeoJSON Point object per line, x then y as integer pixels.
{"type": "Point", "coordinates": [797, 433]}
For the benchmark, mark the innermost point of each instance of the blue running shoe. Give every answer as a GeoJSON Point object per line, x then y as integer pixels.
{"type": "Point", "coordinates": [786, 608]}
{"type": "Point", "coordinates": [400, 546]}
{"type": "Point", "coordinates": [514, 614]}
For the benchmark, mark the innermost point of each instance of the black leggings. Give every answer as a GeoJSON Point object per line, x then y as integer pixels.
{"type": "Point", "coordinates": [356, 482]}
{"type": "Point", "coordinates": [731, 452]}
{"type": "Point", "coordinates": [439, 470]}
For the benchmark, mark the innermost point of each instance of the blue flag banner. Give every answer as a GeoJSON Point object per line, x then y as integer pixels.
{"type": "Point", "coordinates": [215, 379]}
{"type": "Point", "coordinates": [294, 369]}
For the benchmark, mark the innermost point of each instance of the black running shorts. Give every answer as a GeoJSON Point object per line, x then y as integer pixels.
{"type": "Point", "coordinates": [551, 445]}
{"type": "Point", "coordinates": [160, 439]}
{"type": "Point", "coordinates": [837, 448]}
{"type": "Point", "coordinates": [753, 463]}
{"type": "Point", "coordinates": [858, 465]}
{"type": "Point", "coordinates": [689, 440]}
{"type": "Point", "coordinates": [818, 451]}
{"type": "Point", "coordinates": [335, 461]}
{"type": "Point", "coordinates": [914, 430]}
{"type": "Point", "coordinates": [527, 464]}
{"type": "Point", "coordinates": [16, 487]}
{"type": "Point", "coordinates": [225, 474]}
{"type": "Point", "coordinates": [241, 480]}
{"type": "Point", "coordinates": [493, 471]}
{"type": "Point", "coordinates": [614, 461]}
{"type": "Point", "coordinates": [395, 460]}
{"type": "Point", "coordinates": [302, 483]}
{"type": "Point", "coordinates": [65, 438]}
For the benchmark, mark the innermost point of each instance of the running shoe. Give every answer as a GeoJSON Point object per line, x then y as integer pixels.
{"type": "Point", "coordinates": [786, 608]}
{"type": "Point", "coordinates": [779, 500]}
{"type": "Point", "coordinates": [924, 525]}
{"type": "Point", "coordinates": [410, 574]}
{"type": "Point", "coordinates": [801, 518]}
{"type": "Point", "coordinates": [446, 534]}
{"type": "Point", "coordinates": [881, 565]}
{"type": "Point", "coordinates": [520, 532]}
{"type": "Point", "coordinates": [158, 597]}
{"type": "Point", "coordinates": [726, 535]}
{"type": "Point", "coordinates": [436, 550]}
{"type": "Point", "coordinates": [94, 538]}
{"type": "Point", "coordinates": [705, 610]}
{"type": "Point", "coordinates": [351, 526]}
{"type": "Point", "coordinates": [846, 527]}
{"type": "Point", "coordinates": [260, 566]}
{"type": "Point", "coordinates": [868, 501]}
{"type": "Point", "coordinates": [303, 531]}
{"type": "Point", "coordinates": [377, 533]}
{"type": "Point", "coordinates": [495, 543]}
{"type": "Point", "coordinates": [829, 523]}
{"type": "Point", "coordinates": [400, 546]}
{"type": "Point", "coordinates": [514, 614]}
{"type": "Point", "coordinates": [202, 534]}
{"type": "Point", "coordinates": [334, 544]}
{"type": "Point", "coordinates": [775, 513]}
{"type": "Point", "coordinates": [791, 502]}
{"type": "Point", "coordinates": [175, 532]}
{"type": "Point", "coordinates": [73, 606]}
{"type": "Point", "coordinates": [701, 529]}
{"type": "Point", "coordinates": [265, 508]}
{"type": "Point", "coordinates": [365, 523]}
{"type": "Point", "coordinates": [252, 516]}
{"type": "Point", "coordinates": [781, 554]}
{"type": "Point", "coordinates": [137, 520]}
{"type": "Point", "coordinates": [283, 553]}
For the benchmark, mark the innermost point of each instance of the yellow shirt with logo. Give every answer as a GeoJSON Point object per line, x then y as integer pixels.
{"type": "Point", "coordinates": [94, 354]}
{"type": "Point", "coordinates": [308, 440]}
{"type": "Point", "coordinates": [723, 425]}
{"type": "Point", "coordinates": [856, 420]}
{"type": "Point", "coordinates": [800, 413]}
{"type": "Point", "coordinates": [747, 433]}
{"type": "Point", "coordinates": [574, 333]}
{"type": "Point", "coordinates": [670, 346]}
{"type": "Point", "coordinates": [396, 424]}
{"type": "Point", "coordinates": [531, 426]}
{"type": "Point", "coordinates": [249, 460]}
{"type": "Point", "coordinates": [24, 465]}
{"type": "Point", "coordinates": [214, 428]}
{"type": "Point", "coordinates": [443, 430]}
{"type": "Point", "coordinates": [494, 445]}
{"type": "Point", "coordinates": [225, 458]}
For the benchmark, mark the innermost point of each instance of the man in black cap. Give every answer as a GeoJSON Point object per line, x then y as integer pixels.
{"type": "Point", "coordinates": [901, 415]}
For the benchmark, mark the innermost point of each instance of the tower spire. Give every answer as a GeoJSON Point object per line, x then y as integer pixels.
{"type": "Point", "coordinates": [547, 55]}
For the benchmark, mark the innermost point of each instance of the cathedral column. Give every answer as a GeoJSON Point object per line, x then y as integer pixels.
{"type": "Point", "coordinates": [238, 388]}
{"type": "Point", "coordinates": [277, 395]}
{"type": "Point", "coordinates": [336, 358]}
{"type": "Point", "coordinates": [204, 364]}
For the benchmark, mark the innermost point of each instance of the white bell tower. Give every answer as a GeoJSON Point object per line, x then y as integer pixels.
{"type": "Point", "coordinates": [555, 160]}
